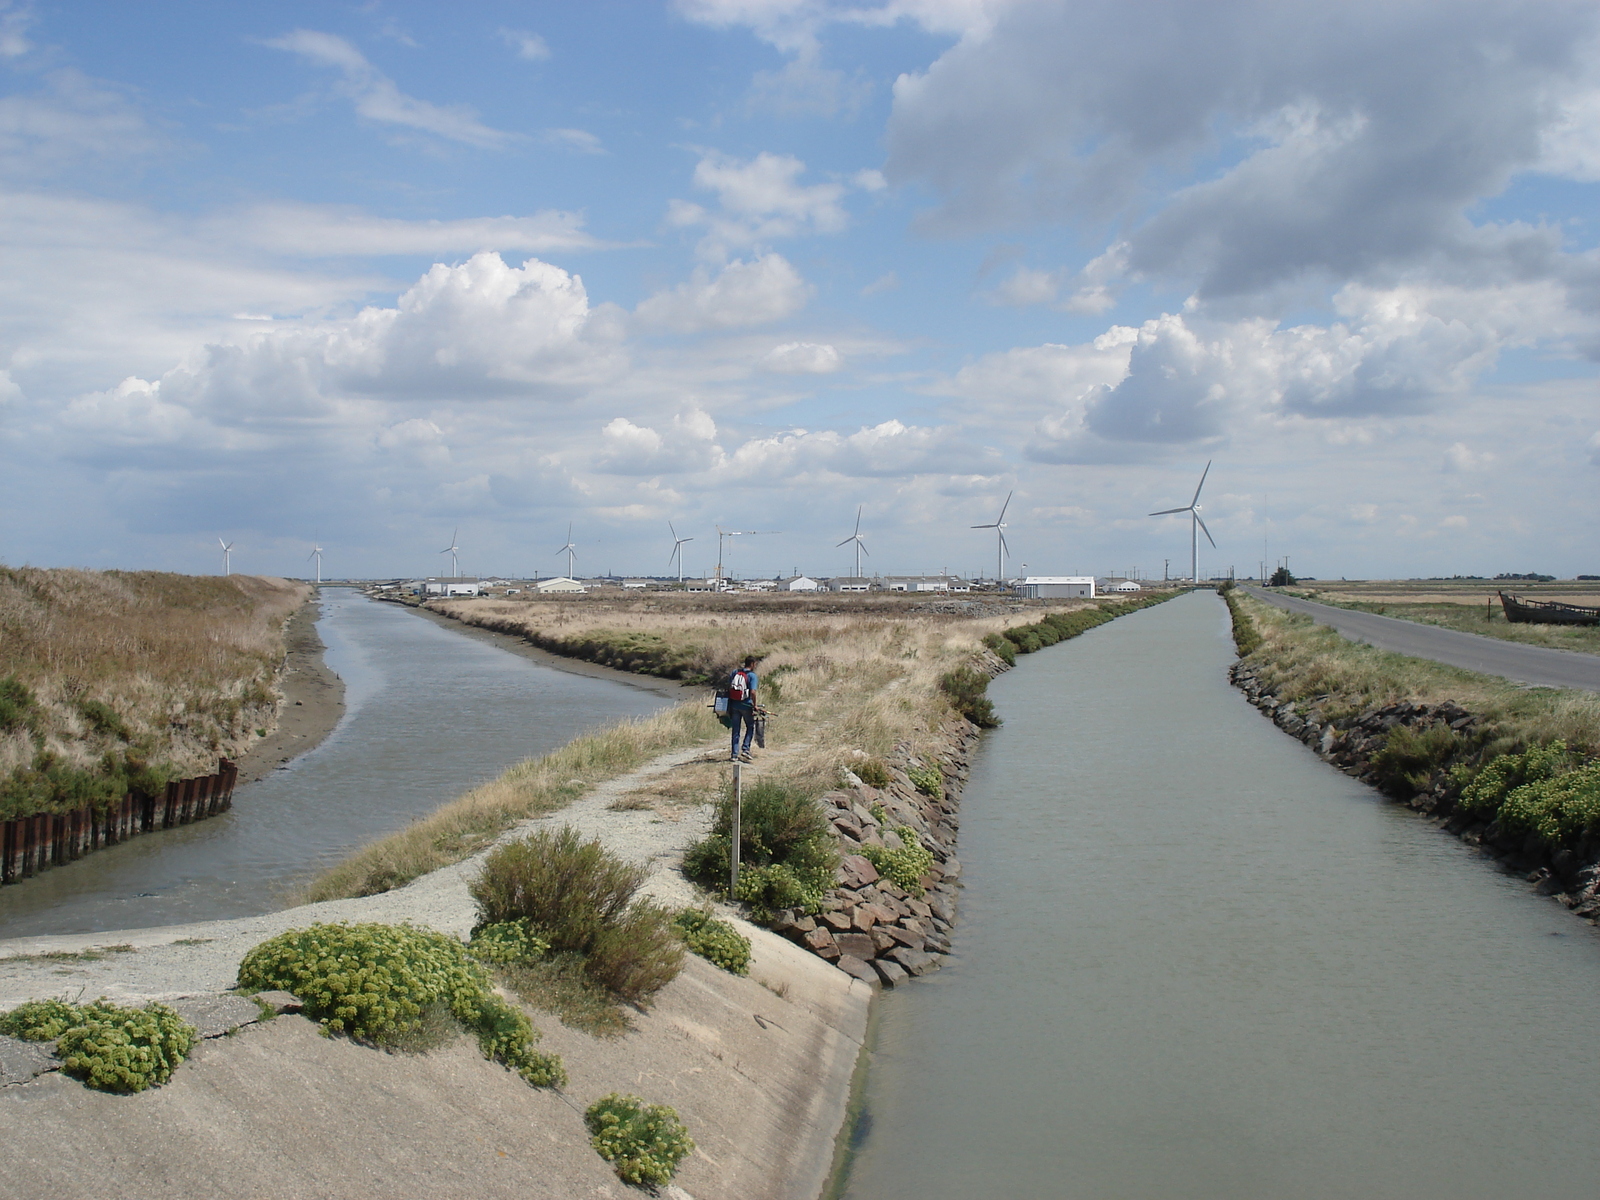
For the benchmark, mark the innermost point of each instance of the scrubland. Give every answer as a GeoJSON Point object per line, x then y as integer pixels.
{"type": "Point", "coordinates": [111, 679]}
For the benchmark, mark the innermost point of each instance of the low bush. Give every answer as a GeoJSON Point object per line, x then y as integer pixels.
{"type": "Point", "coordinates": [16, 704]}
{"type": "Point", "coordinates": [1002, 646]}
{"type": "Point", "coordinates": [905, 866]}
{"type": "Point", "coordinates": [377, 983]}
{"type": "Point", "coordinates": [872, 772]}
{"type": "Point", "coordinates": [1246, 638]}
{"type": "Point", "coordinates": [713, 940]}
{"type": "Point", "coordinates": [506, 943]}
{"type": "Point", "coordinates": [644, 1143]}
{"type": "Point", "coordinates": [104, 719]}
{"type": "Point", "coordinates": [1560, 809]}
{"type": "Point", "coordinates": [1409, 757]}
{"type": "Point", "coordinates": [1486, 788]}
{"type": "Point", "coordinates": [109, 1047]}
{"type": "Point", "coordinates": [928, 780]}
{"type": "Point", "coordinates": [965, 688]}
{"type": "Point", "coordinates": [786, 850]}
{"type": "Point", "coordinates": [577, 897]}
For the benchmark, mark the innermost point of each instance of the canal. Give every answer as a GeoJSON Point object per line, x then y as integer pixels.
{"type": "Point", "coordinates": [429, 713]}
{"type": "Point", "coordinates": [1195, 961]}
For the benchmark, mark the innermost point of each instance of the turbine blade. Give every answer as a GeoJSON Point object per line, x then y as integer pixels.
{"type": "Point", "coordinates": [1200, 485]}
{"type": "Point", "coordinates": [846, 542]}
{"type": "Point", "coordinates": [865, 551]}
{"type": "Point", "coordinates": [1004, 545]}
{"type": "Point", "coordinates": [1206, 531]}
{"type": "Point", "coordinates": [1004, 506]}
{"type": "Point", "coordinates": [858, 517]}
{"type": "Point", "coordinates": [674, 531]}
{"type": "Point", "coordinates": [994, 526]}
{"type": "Point", "coordinates": [1165, 511]}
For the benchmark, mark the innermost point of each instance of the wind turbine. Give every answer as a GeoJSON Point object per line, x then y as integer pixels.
{"type": "Point", "coordinates": [316, 553]}
{"type": "Point", "coordinates": [861, 547]}
{"type": "Point", "coordinates": [724, 534]}
{"type": "Point", "coordinates": [455, 568]}
{"type": "Point", "coordinates": [226, 548]}
{"type": "Point", "coordinates": [1001, 550]}
{"type": "Point", "coordinates": [677, 551]}
{"type": "Point", "coordinates": [571, 550]}
{"type": "Point", "coordinates": [1195, 525]}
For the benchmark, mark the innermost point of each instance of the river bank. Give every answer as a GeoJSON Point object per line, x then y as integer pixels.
{"type": "Point", "coordinates": [312, 703]}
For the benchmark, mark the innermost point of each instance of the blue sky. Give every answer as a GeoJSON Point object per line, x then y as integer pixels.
{"type": "Point", "coordinates": [367, 274]}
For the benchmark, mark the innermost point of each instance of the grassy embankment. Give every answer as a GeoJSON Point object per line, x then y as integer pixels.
{"type": "Point", "coordinates": [845, 684]}
{"type": "Point", "coordinates": [1526, 769]}
{"type": "Point", "coordinates": [1471, 607]}
{"type": "Point", "coordinates": [118, 681]}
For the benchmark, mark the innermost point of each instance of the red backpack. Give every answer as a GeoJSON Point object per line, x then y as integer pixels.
{"type": "Point", "coordinates": [739, 687]}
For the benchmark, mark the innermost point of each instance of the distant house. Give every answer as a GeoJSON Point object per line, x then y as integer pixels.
{"type": "Point", "coordinates": [560, 583]}
{"type": "Point", "coordinates": [636, 584]}
{"type": "Point", "coordinates": [699, 585]}
{"type": "Point", "coordinates": [1127, 585]}
{"type": "Point", "coordinates": [452, 587]}
{"type": "Point", "coordinates": [850, 583]}
{"type": "Point", "coordinates": [916, 583]}
{"type": "Point", "coordinates": [1056, 587]}
{"type": "Point", "coordinates": [800, 583]}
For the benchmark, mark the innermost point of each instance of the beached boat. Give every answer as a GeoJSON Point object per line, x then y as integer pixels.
{"type": "Point", "coordinates": [1547, 612]}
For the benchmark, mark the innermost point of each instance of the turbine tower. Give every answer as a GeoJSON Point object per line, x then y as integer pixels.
{"type": "Point", "coordinates": [1195, 525]}
{"type": "Point", "coordinates": [677, 552]}
{"type": "Point", "coordinates": [571, 551]}
{"type": "Point", "coordinates": [861, 546]}
{"type": "Point", "coordinates": [227, 548]}
{"type": "Point", "coordinates": [316, 553]}
{"type": "Point", "coordinates": [455, 568]}
{"type": "Point", "coordinates": [1001, 549]}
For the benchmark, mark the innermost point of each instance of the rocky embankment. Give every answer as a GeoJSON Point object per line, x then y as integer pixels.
{"type": "Point", "coordinates": [870, 927]}
{"type": "Point", "coordinates": [1571, 875]}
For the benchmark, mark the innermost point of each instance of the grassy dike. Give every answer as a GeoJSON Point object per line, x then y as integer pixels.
{"type": "Point", "coordinates": [1511, 768]}
{"type": "Point", "coordinates": [116, 681]}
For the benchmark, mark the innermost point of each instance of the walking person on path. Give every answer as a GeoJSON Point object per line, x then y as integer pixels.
{"type": "Point", "coordinates": [742, 707]}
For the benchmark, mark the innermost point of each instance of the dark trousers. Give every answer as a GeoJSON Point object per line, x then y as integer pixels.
{"type": "Point", "coordinates": [745, 715]}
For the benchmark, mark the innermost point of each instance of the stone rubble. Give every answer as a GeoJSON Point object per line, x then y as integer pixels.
{"type": "Point", "coordinates": [1571, 875]}
{"type": "Point", "coordinates": [870, 927]}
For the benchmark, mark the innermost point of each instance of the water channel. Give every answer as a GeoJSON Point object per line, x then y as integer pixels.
{"type": "Point", "coordinates": [429, 713]}
{"type": "Point", "coordinates": [1194, 961]}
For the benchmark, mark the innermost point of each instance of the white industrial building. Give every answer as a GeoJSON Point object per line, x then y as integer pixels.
{"type": "Point", "coordinates": [559, 584]}
{"type": "Point", "coordinates": [800, 583]}
{"type": "Point", "coordinates": [1057, 587]}
{"type": "Point", "coordinates": [450, 587]}
{"type": "Point", "coordinates": [916, 583]}
{"type": "Point", "coordinates": [850, 583]}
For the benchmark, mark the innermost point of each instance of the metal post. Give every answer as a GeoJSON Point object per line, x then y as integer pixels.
{"type": "Point", "coordinates": [738, 805]}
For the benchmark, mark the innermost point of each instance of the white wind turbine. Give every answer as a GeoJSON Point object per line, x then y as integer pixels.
{"type": "Point", "coordinates": [455, 566]}
{"type": "Point", "coordinates": [316, 553]}
{"type": "Point", "coordinates": [571, 550]}
{"type": "Point", "coordinates": [677, 550]}
{"type": "Point", "coordinates": [1001, 549]}
{"type": "Point", "coordinates": [1195, 525]}
{"type": "Point", "coordinates": [227, 548]}
{"type": "Point", "coordinates": [861, 546]}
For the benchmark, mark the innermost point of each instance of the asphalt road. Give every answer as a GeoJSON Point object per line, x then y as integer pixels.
{"type": "Point", "coordinates": [1524, 664]}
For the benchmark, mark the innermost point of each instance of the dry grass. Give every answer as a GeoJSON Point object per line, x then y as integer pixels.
{"type": "Point", "coordinates": [841, 681]}
{"type": "Point", "coordinates": [185, 664]}
{"type": "Point", "coordinates": [1306, 661]}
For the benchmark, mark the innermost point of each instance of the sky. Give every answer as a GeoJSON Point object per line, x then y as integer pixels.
{"type": "Point", "coordinates": [382, 277]}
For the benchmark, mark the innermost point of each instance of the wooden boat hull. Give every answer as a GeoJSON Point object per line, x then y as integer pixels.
{"type": "Point", "coordinates": [1547, 612]}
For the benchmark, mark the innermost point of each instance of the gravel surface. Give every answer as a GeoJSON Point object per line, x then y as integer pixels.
{"type": "Point", "coordinates": [180, 960]}
{"type": "Point", "coordinates": [1536, 665]}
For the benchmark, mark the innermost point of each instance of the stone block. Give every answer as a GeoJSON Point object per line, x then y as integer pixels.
{"type": "Point", "coordinates": [882, 940]}
{"type": "Point", "coordinates": [858, 945]}
{"type": "Point", "coordinates": [820, 941]}
{"type": "Point", "coordinates": [213, 1016]}
{"type": "Point", "coordinates": [864, 917]}
{"type": "Point", "coordinates": [857, 871]}
{"type": "Point", "coordinates": [21, 1061]}
{"type": "Point", "coordinates": [916, 962]}
{"type": "Point", "coordinates": [905, 937]}
{"type": "Point", "coordinates": [839, 922]}
{"type": "Point", "coordinates": [853, 966]}
{"type": "Point", "coordinates": [891, 972]}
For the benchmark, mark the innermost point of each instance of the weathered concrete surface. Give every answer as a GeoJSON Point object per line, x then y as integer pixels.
{"type": "Point", "coordinates": [21, 1061]}
{"type": "Point", "coordinates": [276, 1110]}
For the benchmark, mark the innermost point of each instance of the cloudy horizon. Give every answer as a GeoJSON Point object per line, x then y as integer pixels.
{"type": "Point", "coordinates": [361, 276]}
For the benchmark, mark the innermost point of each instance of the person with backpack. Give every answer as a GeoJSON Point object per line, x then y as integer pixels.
{"type": "Point", "coordinates": [742, 707]}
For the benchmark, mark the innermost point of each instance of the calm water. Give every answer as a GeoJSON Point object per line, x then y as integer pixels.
{"type": "Point", "coordinates": [429, 713]}
{"type": "Point", "coordinates": [1196, 962]}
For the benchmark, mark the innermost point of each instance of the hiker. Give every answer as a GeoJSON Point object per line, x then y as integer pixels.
{"type": "Point", "coordinates": [742, 708]}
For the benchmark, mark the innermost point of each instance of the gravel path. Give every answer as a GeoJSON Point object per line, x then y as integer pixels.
{"type": "Point", "coordinates": [1536, 665]}
{"type": "Point", "coordinates": [179, 960]}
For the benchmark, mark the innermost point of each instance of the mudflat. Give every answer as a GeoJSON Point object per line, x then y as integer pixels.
{"type": "Point", "coordinates": [313, 699]}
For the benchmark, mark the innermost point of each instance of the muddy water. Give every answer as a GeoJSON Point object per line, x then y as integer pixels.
{"type": "Point", "coordinates": [1196, 962]}
{"type": "Point", "coordinates": [429, 713]}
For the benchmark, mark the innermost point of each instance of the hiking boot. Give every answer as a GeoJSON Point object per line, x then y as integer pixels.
{"type": "Point", "coordinates": [745, 757]}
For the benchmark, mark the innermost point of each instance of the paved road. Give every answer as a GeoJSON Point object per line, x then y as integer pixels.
{"type": "Point", "coordinates": [1525, 664]}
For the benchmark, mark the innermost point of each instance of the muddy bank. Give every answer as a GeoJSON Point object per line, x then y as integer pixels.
{"type": "Point", "coordinates": [313, 699]}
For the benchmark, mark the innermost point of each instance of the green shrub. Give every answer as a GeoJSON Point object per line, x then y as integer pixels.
{"type": "Point", "coordinates": [577, 897]}
{"type": "Point", "coordinates": [1003, 646]}
{"type": "Point", "coordinates": [16, 704]}
{"type": "Point", "coordinates": [787, 850]}
{"type": "Point", "coordinates": [1409, 757]}
{"type": "Point", "coordinates": [505, 943]}
{"type": "Point", "coordinates": [1487, 787]}
{"type": "Point", "coordinates": [39, 1020]}
{"type": "Point", "coordinates": [873, 773]}
{"type": "Point", "coordinates": [965, 688]}
{"type": "Point", "coordinates": [378, 982]}
{"type": "Point", "coordinates": [905, 866]}
{"type": "Point", "coordinates": [643, 1142]}
{"type": "Point", "coordinates": [1560, 809]}
{"type": "Point", "coordinates": [714, 940]}
{"type": "Point", "coordinates": [1246, 638]}
{"type": "Point", "coordinates": [116, 1049]}
{"type": "Point", "coordinates": [928, 780]}
{"type": "Point", "coordinates": [105, 719]}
